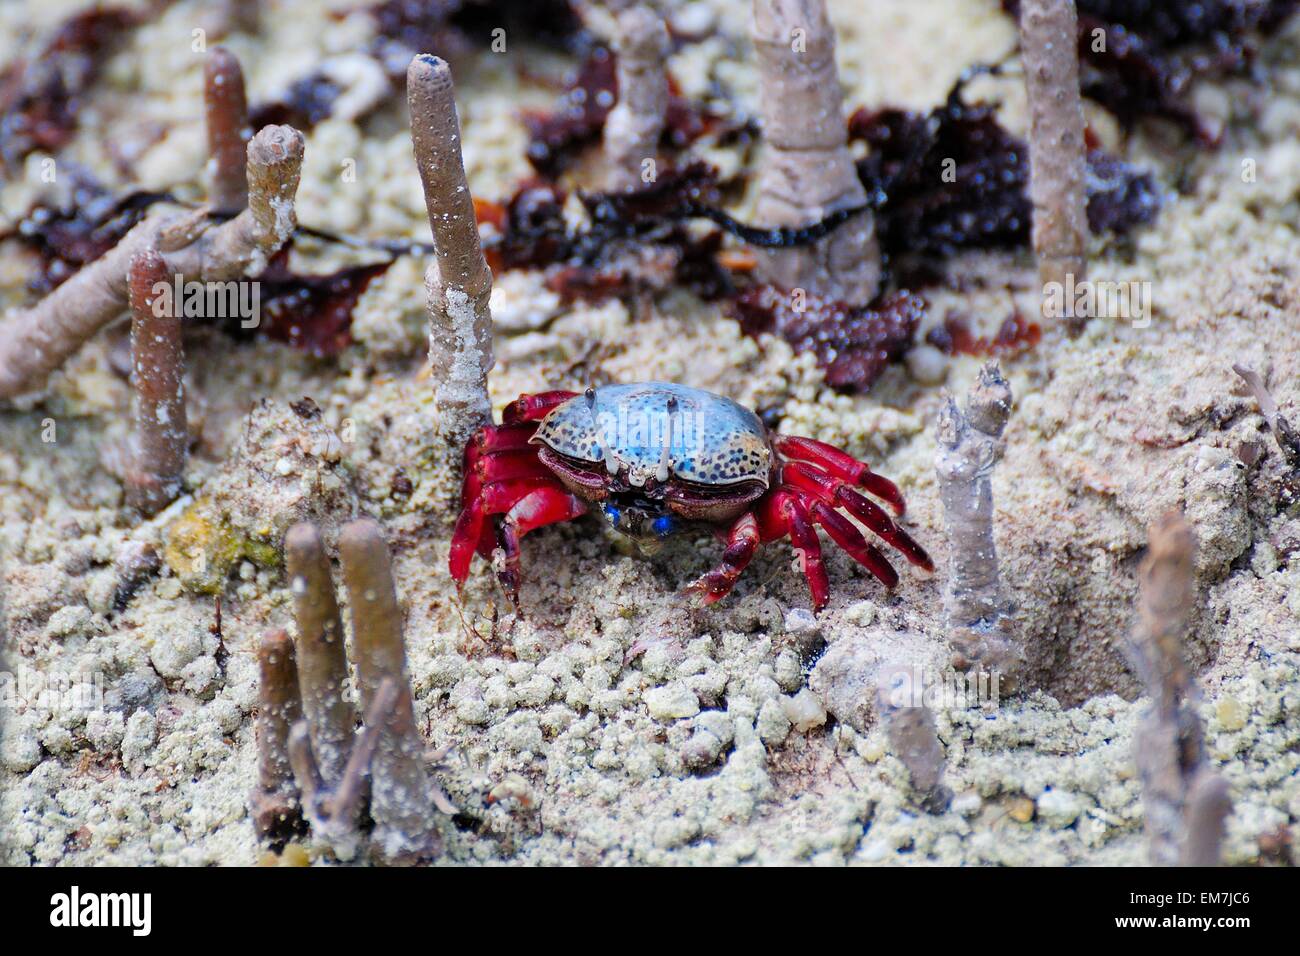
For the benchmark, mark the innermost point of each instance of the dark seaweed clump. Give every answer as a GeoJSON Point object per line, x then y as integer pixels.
{"type": "Point", "coordinates": [67, 238]}
{"type": "Point", "coordinates": [551, 23]}
{"type": "Point", "coordinates": [853, 344]}
{"type": "Point", "coordinates": [1015, 334]}
{"type": "Point", "coordinates": [636, 240]}
{"type": "Point", "coordinates": [558, 137]}
{"type": "Point", "coordinates": [955, 179]}
{"type": "Point", "coordinates": [448, 28]}
{"type": "Point", "coordinates": [1153, 49]}
{"type": "Point", "coordinates": [40, 98]}
{"type": "Point", "coordinates": [311, 312]}
{"type": "Point", "coordinates": [923, 216]}
{"type": "Point", "coordinates": [307, 101]}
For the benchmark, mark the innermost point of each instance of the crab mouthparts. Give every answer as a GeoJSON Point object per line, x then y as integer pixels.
{"type": "Point", "coordinates": [645, 522]}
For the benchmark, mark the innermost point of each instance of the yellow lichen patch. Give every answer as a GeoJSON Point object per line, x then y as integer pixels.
{"type": "Point", "coordinates": [188, 549]}
{"type": "Point", "coordinates": [295, 854]}
{"type": "Point", "coordinates": [201, 551]}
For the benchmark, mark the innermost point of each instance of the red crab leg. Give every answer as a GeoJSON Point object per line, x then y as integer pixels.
{"type": "Point", "coordinates": [532, 408]}
{"type": "Point", "coordinates": [488, 540]}
{"type": "Point", "coordinates": [844, 533]}
{"type": "Point", "coordinates": [538, 508]}
{"type": "Point", "coordinates": [491, 439]}
{"type": "Point", "coordinates": [783, 513]}
{"type": "Point", "coordinates": [842, 465]}
{"type": "Point", "coordinates": [808, 479]}
{"type": "Point", "coordinates": [502, 466]}
{"type": "Point", "coordinates": [488, 443]}
{"type": "Point", "coordinates": [742, 541]}
{"type": "Point", "coordinates": [468, 535]}
{"type": "Point", "coordinates": [874, 517]}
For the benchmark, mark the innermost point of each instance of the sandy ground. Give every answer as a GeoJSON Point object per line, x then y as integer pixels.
{"type": "Point", "coordinates": [613, 722]}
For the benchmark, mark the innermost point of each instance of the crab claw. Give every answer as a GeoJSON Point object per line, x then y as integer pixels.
{"type": "Point", "coordinates": [742, 542]}
{"type": "Point", "coordinates": [547, 504]}
{"type": "Point", "coordinates": [507, 493]}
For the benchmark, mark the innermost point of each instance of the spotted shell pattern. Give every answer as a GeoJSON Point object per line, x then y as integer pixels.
{"type": "Point", "coordinates": [715, 441]}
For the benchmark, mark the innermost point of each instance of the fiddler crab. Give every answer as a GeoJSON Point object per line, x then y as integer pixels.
{"type": "Point", "coordinates": [658, 458]}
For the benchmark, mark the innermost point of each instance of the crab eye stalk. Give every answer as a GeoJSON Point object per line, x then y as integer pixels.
{"type": "Point", "coordinates": [604, 450]}
{"type": "Point", "coordinates": [664, 469]}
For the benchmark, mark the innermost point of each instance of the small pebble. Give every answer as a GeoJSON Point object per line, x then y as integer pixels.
{"type": "Point", "coordinates": [671, 702]}
{"type": "Point", "coordinates": [1022, 810]}
{"type": "Point", "coordinates": [967, 804]}
{"type": "Point", "coordinates": [20, 748]}
{"type": "Point", "coordinates": [874, 851]}
{"type": "Point", "coordinates": [695, 19]}
{"type": "Point", "coordinates": [799, 619]}
{"type": "Point", "coordinates": [804, 710]}
{"type": "Point", "coordinates": [927, 364]}
{"type": "Point", "coordinates": [871, 749]}
{"type": "Point", "coordinates": [1058, 808]}
{"type": "Point", "coordinates": [1231, 714]}
{"type": "Point", "coordinates": [773, 725]}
